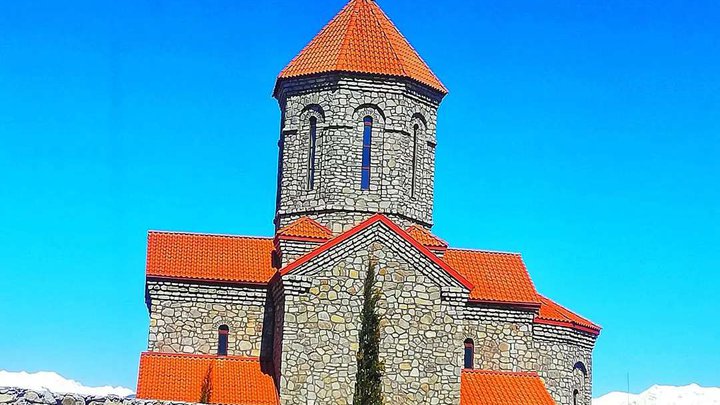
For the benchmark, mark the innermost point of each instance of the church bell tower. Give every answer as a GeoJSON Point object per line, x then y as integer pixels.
{"type": "Point", "coordinates": [359, 109]}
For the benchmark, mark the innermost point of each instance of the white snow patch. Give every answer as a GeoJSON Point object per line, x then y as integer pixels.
{"type": "Point", "coordinates": [692, 394]}
{"type": "Point", "coordinates": [54, 382]}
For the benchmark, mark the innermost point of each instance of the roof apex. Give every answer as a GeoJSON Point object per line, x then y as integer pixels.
{"type": "Point", "coordinates": [305, 228]}
{"type": "Point", "coordinates": [361, 39]}
{"type": "Point", "coordinates": [393, 227]}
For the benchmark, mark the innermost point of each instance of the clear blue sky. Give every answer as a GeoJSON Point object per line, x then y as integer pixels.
{"type": "Point", "coordinates": [584, 134]}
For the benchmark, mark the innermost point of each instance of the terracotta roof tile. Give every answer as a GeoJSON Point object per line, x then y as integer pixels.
{"type": "Point", "coordinates": [478, 387]}
{"type": "Point", "coordinates": [209, 257]}
{"type": "Point", "coordinates": [425, 237]}
{"type": "Point", "coordinates": [496, 277]}
{"type": "Point", "coordinates": [362, 39]}
{"type": "Point", "coordinates": [179, 377]}
{"type": "Point", "coordinates": [554, 313]}
{"type": "Point", "coordinates": [305, 228]}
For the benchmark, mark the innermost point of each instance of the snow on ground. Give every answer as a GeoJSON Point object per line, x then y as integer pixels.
{"type": "Point", "coordinates": [692, 394]}
{"type": "Point", "coordinates": [54, 382]}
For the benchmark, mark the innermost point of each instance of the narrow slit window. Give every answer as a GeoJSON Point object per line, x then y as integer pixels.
{"type": "Point", "coordinates": [414, 161]}
{"type": "Point", "coordinates": [223, 333]}
{"type": "Point", "coordinates": [311, 154]}
{"type": "Point", "coordinates": [469, 360]}
{"type": "Point", "coordinates": [367, 144]}
{"type": "Point", "coordinates": [576, 393]}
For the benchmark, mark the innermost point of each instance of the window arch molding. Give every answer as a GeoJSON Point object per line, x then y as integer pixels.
{"type": "Point", "coordinates": [580, 378]}
{"type": "Point", "coordinates": [223, 339]}
{"type": "Point", "coordinates": [468, 354]}
{"type": "Point", "coordinates": [312, 122]}
{"type": "Point", "coordinates": [369, 126]}
{"type": "Point", "coordinates": [372, 110]}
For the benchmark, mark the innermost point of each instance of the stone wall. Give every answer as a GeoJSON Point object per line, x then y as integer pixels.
{"type": "Point", "coordinates": [339, 102]}
{"type": "Point", "coordinates": [502, 337]}
{"type": "Point", "coordinates": [19, 396]}
{"type": "Point", "coordinates": [293, 249]}
{"type": "Point", "coordinates": [322, 318]}
{"type": "Point", "coordinates": [559, 349]}
{"type": "Point", "coordinates": [184, 318]}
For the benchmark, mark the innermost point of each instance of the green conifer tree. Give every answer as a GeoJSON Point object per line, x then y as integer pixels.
{"type": "Point", "coordinates": [206, 389]}
{"type": "Point", "coordinates": [368, 384]}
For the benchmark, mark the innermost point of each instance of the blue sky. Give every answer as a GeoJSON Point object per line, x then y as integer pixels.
{"type": "Point", "coordinates": [583, 134]}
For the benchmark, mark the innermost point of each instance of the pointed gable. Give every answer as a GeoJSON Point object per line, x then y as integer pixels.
{"type": "Point", "coordinates": [362, 39]}
{"type": "Point", "coordinates": [379, 219]}
{"type": "Point", "coordinates": [305, 228]}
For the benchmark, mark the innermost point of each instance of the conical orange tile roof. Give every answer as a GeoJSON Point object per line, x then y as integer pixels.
{"type": "Point", "coordinates": [362, 39]}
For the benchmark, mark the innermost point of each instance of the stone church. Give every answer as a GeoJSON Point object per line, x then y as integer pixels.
{"type": "Point", "coordinates": [275, 320]}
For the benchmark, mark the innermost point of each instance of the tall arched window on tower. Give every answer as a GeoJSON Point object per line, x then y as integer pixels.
{"type": "Point", "coordinates": [223, 332]}
{"type": "Point", "coordinates": [367, 144]}
{"type": "Point", "coordinates": [414, 160]}
{"type": "Point", "coordinates": [469, 361]}
{"type": "Point", "coordinates": [576, 393]}
{"type": "Point", "coordinates": [311, 154]}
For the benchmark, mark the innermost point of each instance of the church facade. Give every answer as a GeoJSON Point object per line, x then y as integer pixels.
{"type": "Point", "coordinates": [275, 320]}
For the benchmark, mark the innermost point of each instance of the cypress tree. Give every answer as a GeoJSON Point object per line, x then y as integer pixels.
{"type": "Point", "coordinates": [368, 384]}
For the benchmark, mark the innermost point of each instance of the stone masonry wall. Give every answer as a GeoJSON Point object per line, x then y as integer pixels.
{"type": "Point", "coordinates": [293, 249]}
{"type": "Point", "coordinates": [184, 318]}
{"type": "Point", "coordinates": [502, 337]}
{"type": "Point", "coordinates": [339, 103]}
{"type": "Point", "coordinates": [322, 318]}
{"type": "Point", "coordinates": [558, 350]}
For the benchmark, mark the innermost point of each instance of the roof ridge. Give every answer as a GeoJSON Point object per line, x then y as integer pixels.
{"type": "Point", "coordinates": [503, 373]}
{"type": "Point", "coordinates": [384, 34]}
{"type": "Point", "coordinates": [500, 252]}
{"type": "Point", "coordinates": [203, 356]}
{"type": "Point", "coordinates": [351, 6]}
{"type": "Point", "coordinates": [220, 235]}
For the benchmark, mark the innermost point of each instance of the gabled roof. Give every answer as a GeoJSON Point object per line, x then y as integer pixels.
{"type": "Point", "coordinates": [426, 238]}
{"type": "Point", "coordinates": [479, 387]}
{"type": "Point", "coordinates": [552, 313]}
{"type": "Point", "coordinates": [361, 39]}
{"type": "Point", "coordinates": [224, 258]}
{"type": "Point", "coordinates": [377, 218]}
{"type": "Point", "coordinates": [179, 377]}
{"type": "Point", "coordinates": [498, 277]}
{"type": "Point", "coordinates": [305, 228]}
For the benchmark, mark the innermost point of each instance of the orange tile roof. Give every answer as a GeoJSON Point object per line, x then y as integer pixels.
{"type": "Point", "coordinates": [496, 277]}
{"type": "Point", "coordinates": [426, 238]}
{"type": "Point", "coordinates": [179, 377]}
{"type": "Point", "coordinates": [209, 257]}
{"type": "Point", "coordinates": [362, 39]}
{"type": "Point", "coordinates": [555, 314]}
{"type": "Point", "coordinates": [479, 387]}
{"type": "Point", "coordinates": [305, 228]}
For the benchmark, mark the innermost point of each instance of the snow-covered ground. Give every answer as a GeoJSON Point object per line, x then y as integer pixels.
{"type": "Point", "coordinates": [692, 394]}
{"type": "Point", "coordinates": [50, 381]}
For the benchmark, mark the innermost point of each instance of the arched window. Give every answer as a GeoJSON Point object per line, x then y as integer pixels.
{"type": "Point", "coordinates": [311, 154]}
{"type": "Point", "coordinates": [414, 160]}
{"type": "Point", "coordinates": [469, 360]}
{"type": "Point", "coordinates": [576, 393]}
{"type": "Point", "coordinates": [223, 332]}
{"type": "Point", "coordinates": [367, 144]}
